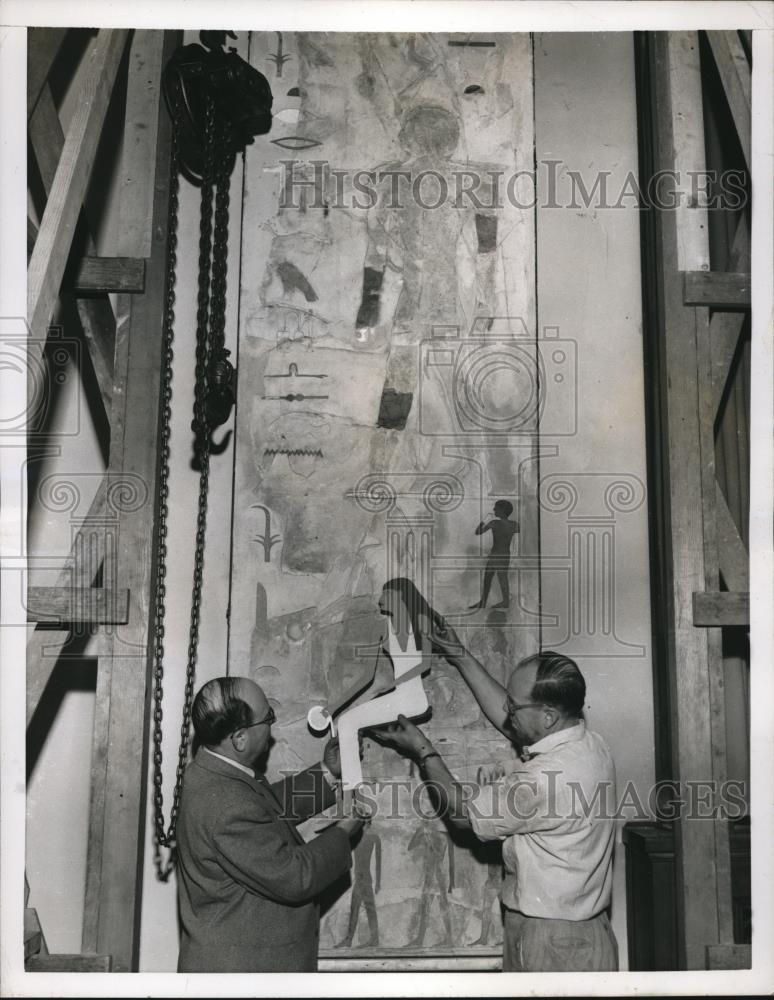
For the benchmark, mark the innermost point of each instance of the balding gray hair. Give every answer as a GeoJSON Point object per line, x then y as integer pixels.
{"type": "Point", "coordinates": [219, 710]}
{"type": "Point", "coordinates": [558, 683]}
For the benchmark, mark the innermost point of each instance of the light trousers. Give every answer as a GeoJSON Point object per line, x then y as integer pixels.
{"type": "Point", "coordinates": [542, 944]}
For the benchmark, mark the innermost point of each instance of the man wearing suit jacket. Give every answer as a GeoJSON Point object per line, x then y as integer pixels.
{"type": "Point", "coordinates": [247, 881]}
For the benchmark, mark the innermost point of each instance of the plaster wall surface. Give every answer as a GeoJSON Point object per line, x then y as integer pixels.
{"type": "Point", "coordinates": [593, 503]}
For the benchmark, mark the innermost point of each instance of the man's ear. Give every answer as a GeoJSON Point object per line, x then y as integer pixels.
{"type": "Point", "coordinates": [550, 716]}
{"type": "Point", "coordinates": [238, 740]}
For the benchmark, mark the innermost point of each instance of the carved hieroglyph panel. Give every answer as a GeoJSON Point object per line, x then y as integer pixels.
{"type": "Point", "coordinates": [387, 398]}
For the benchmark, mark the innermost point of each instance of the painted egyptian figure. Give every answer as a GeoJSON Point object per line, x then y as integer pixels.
{"type": "Point", "coordinates": [406, 650]}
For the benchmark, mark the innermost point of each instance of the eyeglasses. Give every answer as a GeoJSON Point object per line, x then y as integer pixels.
{"type": "Point", "coordinates": [511, 707]}
{"type": "Point", "coordinates": [269, 720]}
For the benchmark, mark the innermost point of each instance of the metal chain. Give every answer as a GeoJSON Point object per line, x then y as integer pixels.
{"type": "Point", "coordinates": [220, 256]}
{"type": "Point", "coordinates": [162, 838]}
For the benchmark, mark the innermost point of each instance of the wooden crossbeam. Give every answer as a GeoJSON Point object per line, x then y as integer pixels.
{"type": "Point", "coordinates": [45, 647]}
{"type": "Point", "coordinates": [733, 558]}
{"type": "Point", "coordinates": [109, 274]}
{"type": "Point", "coordinates": [32, 235]}
{"type": "Point", "coordinates": [726, 327]}
{"type": "Point", "coordinates": [44, 131]}
{"type": "Point", "coordinates": [52, 248]}
{"type": "Point", "coordinates": [43, 45]}
{"type": "Point", "coordinates": [714, 610]}
{"type": "Point", "coordinates": [78, 605]}
{"type": "Point", "coordinates": [725, 331]}
{"type": "Point", "coordinates": [43, 651]}
{"type": "Point", "coordinates": [717, 289]}
{"type": "Point", "coordinates": [734, 71]}
{"type": "Point", "coordinates": [98, 324]}
{"type": "Point", "coordinates": [34, 941]}
{"type": "Point", "coordinates": [96, 315]}
{"type": "Point", "coordinates": [70, 963]}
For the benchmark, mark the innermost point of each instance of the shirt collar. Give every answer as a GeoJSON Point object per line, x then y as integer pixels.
{"type": "Point", "coordinates": [569, 735]}
{"type": "Point", "coordinates": [228, 760]}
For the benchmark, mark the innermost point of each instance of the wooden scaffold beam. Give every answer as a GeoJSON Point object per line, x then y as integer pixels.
{"type": "Point", "coordinates": [119, 754]}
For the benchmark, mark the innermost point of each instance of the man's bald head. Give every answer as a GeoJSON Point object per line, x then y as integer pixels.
{"type": "Point", "coordinates": [224, 705]}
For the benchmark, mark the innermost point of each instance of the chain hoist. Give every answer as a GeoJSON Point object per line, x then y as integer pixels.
{"type": "Point", "coordinates": [218, 103]}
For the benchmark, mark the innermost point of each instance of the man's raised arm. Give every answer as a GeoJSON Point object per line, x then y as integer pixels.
{"type": "Point", "coordinates": [488, 693]}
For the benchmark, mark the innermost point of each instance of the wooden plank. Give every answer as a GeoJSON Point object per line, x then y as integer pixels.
{"type": "Point", "coordinates": [52, 248]}
{"type": "Point", "coordinates": [716, 609]}
{"type": "Point", "coordinates": [725, 331]}
{"type": "Point", "coordinates": [43, 651]}
{"type": "Point", "coordinates": [96, 315]}
{"type": "Point", "coordinates": [675, 85]}
{"type": "Point", "coordinates": [109, 274]}
{"type": "Point", "coordinates": [726, 327]}
{"type": "Point", "coordinates": [142, 102]}
{"type": "Point", "coordinates": [33, 935]}
{"type": "Point", "coordinates": [734, 71]}
{"type": "Point", "coordinates": [733, 558]}
{"type": "Point", "coordinates": [717, 703]}
{"type": "Point", "coordinates": [729, 956]}
{"type": "Point", "coordinates": [70, 963]}
{"type": "Point", "coordinates": [86, 605]}
{"type": "Point", "coordinates": [45, 647]}
{"type": "Point", "coordinates": [715, 678]}
{"type": "Point", "coordinates": [46, 137]}
{"type": "Point", "coordinates": [43, 45]}
{"type": "Point", "coordinates": [687, 139]}
{"type": "Point", "coordinates": [34, 938]}
{"type": "Point", "coordinates": [98, 324]}
{"type": "Point", "coordinates": [32, 235]}
{"type": "Point", "coordinates": [415, 963]}
{"type": "Point", "coordinates": [119, 757]}
{"type": "Point", "coordinates": [717, 289]}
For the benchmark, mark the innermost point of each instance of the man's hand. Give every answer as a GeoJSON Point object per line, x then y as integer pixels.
{"type": "Point", "coordinates": [360, 814]}
{"type": "Point", "coordinates": [446, 642]}
{"type": "Point", "coordinates": [332, 755]}
{"type": "Point", "coordinates": [402, 736]}
{"type": "Point", "coordinates": [351, 825]}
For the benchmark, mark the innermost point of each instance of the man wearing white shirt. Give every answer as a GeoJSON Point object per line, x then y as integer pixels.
{"type": "Point", "coordinates": [552, 812]}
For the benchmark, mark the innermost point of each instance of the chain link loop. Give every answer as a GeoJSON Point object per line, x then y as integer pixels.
{"type": "Point", "coordinates": [210, 338]}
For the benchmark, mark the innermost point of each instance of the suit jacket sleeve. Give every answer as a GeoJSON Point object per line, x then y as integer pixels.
{"type": "Point", "coordinates": [258, 854]}
{"type": "Point", "coordinates": [304, 794]}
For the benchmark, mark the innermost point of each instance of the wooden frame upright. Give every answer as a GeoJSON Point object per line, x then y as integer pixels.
{"type": "Point", "coordinates": [694, 319]}
{"type": "Point", "coordinates": [125, 351]}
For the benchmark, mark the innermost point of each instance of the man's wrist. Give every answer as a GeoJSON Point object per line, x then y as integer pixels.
{"type": "Point", "coordinates": [461, 659]}
{"type": "Point", "coordinates": [329, 776]}
{"type": "Point", "coordinates": [422, 753]}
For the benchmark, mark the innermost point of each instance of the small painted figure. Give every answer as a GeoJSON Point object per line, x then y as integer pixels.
{"type": "Point", "coordinates": [434, 844]}
{"type": "Point", "coordinates": [363, 889]}
{"type": "Point", "coordinates": [492, 887]}
{"type": "Point", "coordinates": [503, 529]}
